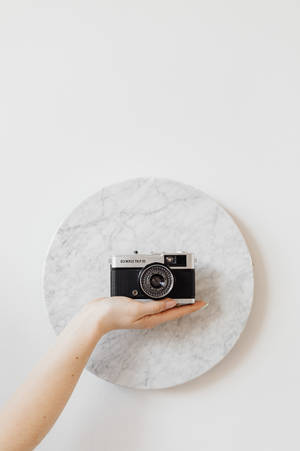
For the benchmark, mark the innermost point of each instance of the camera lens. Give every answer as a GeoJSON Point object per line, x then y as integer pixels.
{"type": "Point", "coordinates": [156, 280]}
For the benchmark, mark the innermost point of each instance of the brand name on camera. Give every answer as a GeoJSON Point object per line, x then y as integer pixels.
{"type": "Point", "coordinates": [133, 261]}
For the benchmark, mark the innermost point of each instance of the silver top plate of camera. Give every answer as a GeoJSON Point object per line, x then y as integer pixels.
{"type": "Point", "coordinates": [135, 260]}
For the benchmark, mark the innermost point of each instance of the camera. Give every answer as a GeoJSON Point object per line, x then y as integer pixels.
{"type": "Point", "coordinates": [154, 276]}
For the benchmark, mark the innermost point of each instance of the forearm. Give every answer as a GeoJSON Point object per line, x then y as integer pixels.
{"type": "Point", "coordinates": [35, 407]}
{"type": "Point", "coordinates": [38, 402]}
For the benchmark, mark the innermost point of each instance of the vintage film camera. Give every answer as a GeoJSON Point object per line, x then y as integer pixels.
{"type": "Point", "coordinates": [154, 276]}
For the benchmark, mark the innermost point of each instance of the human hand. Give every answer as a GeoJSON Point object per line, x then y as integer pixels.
{"type": "Point", "coordinates": [126, 313]}
{"type": "Point", "coordinates": [38, 403]}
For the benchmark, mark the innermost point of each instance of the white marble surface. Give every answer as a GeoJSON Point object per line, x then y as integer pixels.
{"type": "Point", "coordinates": [153, 215]}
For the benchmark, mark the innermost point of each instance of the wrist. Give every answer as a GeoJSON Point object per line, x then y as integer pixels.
{"type": "Point", "coordinates": [95, 316]}
{"type": "Point", "coordinates": [84, 327]}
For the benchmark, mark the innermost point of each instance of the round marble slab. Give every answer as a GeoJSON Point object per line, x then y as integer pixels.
{"type": "Point", "coordinates": [162, 216]}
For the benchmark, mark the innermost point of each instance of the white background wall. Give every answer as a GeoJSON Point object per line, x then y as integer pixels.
{"type": "Point", "coordinates": [206, 92]}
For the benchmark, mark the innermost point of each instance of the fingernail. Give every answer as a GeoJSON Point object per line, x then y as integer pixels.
{"type": "Point", "coordinates": [204, 306]}
{"type": "Point", "coordinates": [170, 303]}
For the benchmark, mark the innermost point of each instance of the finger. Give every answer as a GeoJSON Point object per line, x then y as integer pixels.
{"type": "Point", "coordinates": [154, 307]}
{"type": "Point", "coordinates": [172, 314]}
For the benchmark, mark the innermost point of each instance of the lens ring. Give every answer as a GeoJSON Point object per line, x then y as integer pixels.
{"type": "Point", "coordinates": [146, 275]}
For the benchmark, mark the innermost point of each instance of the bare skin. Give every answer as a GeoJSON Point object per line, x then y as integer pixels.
{"type": "Point", "coordinates": [38, 402]}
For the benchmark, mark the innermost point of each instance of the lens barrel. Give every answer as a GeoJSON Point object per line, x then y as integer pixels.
{"type": "Point", "coordinates": [156, 280]}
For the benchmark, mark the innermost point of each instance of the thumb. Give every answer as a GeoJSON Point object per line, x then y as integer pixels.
{"type": "Point", "coordinates": [153, 307]}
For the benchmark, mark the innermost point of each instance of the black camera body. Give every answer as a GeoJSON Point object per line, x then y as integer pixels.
{"type": "Point", "coordinates": [154, 276]}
